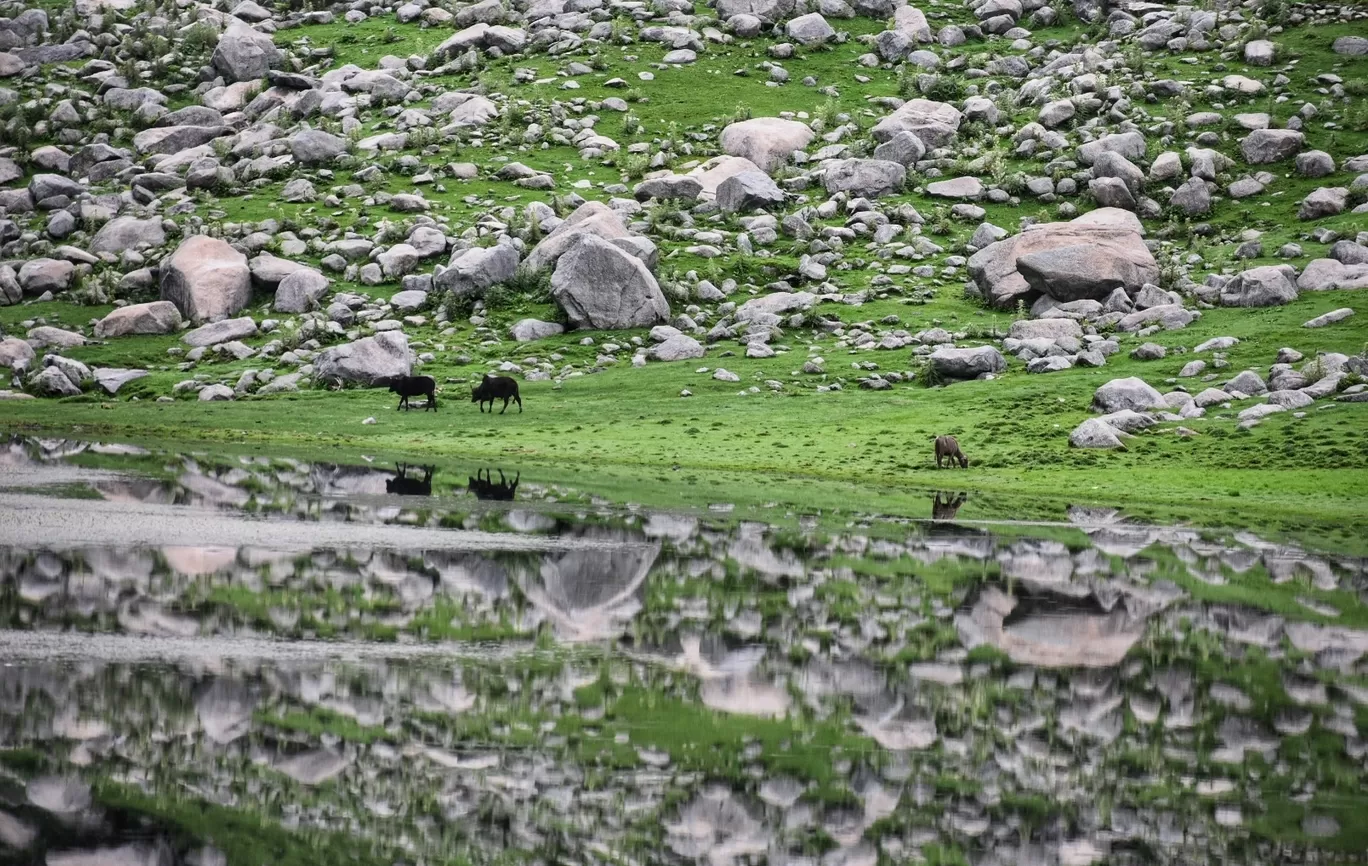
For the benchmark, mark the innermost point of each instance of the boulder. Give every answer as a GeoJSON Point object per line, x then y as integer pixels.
{"type": "Point", "coordinates": [766, 141]}
{"type": "Point", "coordinates": [111, 379]}
{"type": "Point", "coordinates": [903, 148]}
{"type": "Point", "coordinates": [529, 330]}
{"type": "Point", "coordinates": [748, 191]}
{"type": "Point", "coordinates": [1324, 202]}
{"type": "Point", "coordinates": [222, 331]}
{"type": "Point", "coordinates": [598, 285]}
{"type": "Point", "coordinates": [1266, 286]}
{"type": "Point", "coordinates": [769, 11]}
{"type": "Point", "coordinates": [1048, 329]}
{"type": "Point", "coordinates": [1096, 433]}
{"type": "Point", "coordinates": [128, 233]}
{"type": "Point", "coordinates": [206, 279]}
{"type": "Point", "coordinates": [300, 291]}
{"type": "Point", "coordinates": [269, 271]}
{"type": "Point", "coordinates": [866, 178]}
{"type": "Point", "coordinates": [679, 347]}
{"type": "Point", "coordinates": [471, 272]}
{"type": "Point", "coordinates": [46, 336]}
{"type": "Point", "coordinates": [45, 275]}
{"type": "Point", "coordinates": [1129, 145]}
{"type": "Point", "coordinates": [244, 54]}
{"type": "Point", "coordinates": [935, 123]}
{"type": "Point", "coordinates": [593, 217]}
{"type": "Point", "coordinates": [1322, 274]}
{"type": "Point", "coordinates": [1067, 261]}
{"type": "Point", "coordinates": [367, 360]}
{"type": "Point", "coordinates": [1263, 146]}
{"type": "Point", "coordinates": [157, 317]}
{"type": "Point", "coordinates": [14, 352]}
{"type": "Point", "coordinates": [316, 147]}
{"type": "Point", "coordinates": [952, 363]}
{"type": "Point", "coordinates": [1132, 393]}
{"type": "Point", "coordinates": [810, 29]}
{"type": "Point", "coordinates": [52, 382]}
{"type": "Point", "coordinates": [713, 173]}
{"type": "Point", "coordinates": [674, 186]}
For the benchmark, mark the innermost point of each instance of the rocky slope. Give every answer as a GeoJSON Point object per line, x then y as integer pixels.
{"type": "Point", "coordinates": [293, 199]}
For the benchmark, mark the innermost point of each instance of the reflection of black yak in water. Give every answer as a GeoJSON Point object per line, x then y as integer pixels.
{"type": "Point", "coordinates": [947, 508]}
{"type": "Point", "coordinates": [485, 488]}
{"type": "Point", "coordinates": [402, 485]}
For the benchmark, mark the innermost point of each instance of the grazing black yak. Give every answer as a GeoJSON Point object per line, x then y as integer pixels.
{"type": "Point", "coordinates": [493, 388]}
{"type": "Point", "coordinates": [413, 386]}
{"type": "Point", "coordinates": [946, 446]}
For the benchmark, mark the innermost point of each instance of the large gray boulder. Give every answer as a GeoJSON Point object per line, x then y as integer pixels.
{"type": "Point", "coordinates": [769, 11]}
{"type": "Point", "coordinates": [244, 54]}
{"type": "Point", "coordinates": [1322, 274]}
{"type": "Point", "coordinates": [598, 285]}
{"type": "Point", "coordinates": [300, 291]}
{"type": "Point", "coordinates": [1067, 261]}
{"type": "Point", "coordinates": [222, 331]}
{"type": "Point", "coordinates": [592, 217]}
{"type": "Point", "coordinates": [127, 233]}
{"type": "Point", "coordinates": [45, 275]}
{"type": "Point", "coordinates": [157, 317]}
{"type": "Point", "coordinates": [678, 347]}
{"type": "Point", "coordinates": [952, 363]}
{"type": "Point", "coordinates": [206, 279]}
{"type": "Point", "coordinates": [367, 360]}
{"type": "Point", "coordinates": [316, 147]}
{"type": "Point", "coordinates": [1132, 393]}
{"type": "Point", "coordinates": [766, 141]}
{"type": "Point", "coordinates": [1324, 202]}
{"type": "Point", "coordinates": [1263, 146]}
{"type": "Point", "coordinates": [471, 272]}
{"type": "Point", "coordinates": [14, 352]}
{"type": "Point", "coordinates": [869, 178]}
{"type": "Point", "coordinates": [809, 29]}
{"type": "Point", "coordinates": [667, 187]}
{"type": "Point", "coordinates": [935, 123]}
{"type": "Point", "coordinates": [1096, 433]}
{"type": "Point", "coordinates": [530, 330]}
{"type": "Point", "coordinates": [1266, 286]}
{"type": "Point", "coordinates": [748, 191]}
{"type": "Point", "coordinates": [174, 139]}
{"type": "Point", "coordinates": [1130, 145]}
{"type": "Point", "coordinates": [903, 148]}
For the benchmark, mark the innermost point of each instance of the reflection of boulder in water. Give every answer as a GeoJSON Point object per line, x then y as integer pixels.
{"type": "Point", "coordinates": [1047, 633]}
{"type": "Point", "coordinates": [225, 710]}
{"type": "Point", "coordinates": [199, 560]}
{"type": "Point", "coordinates": [521, 520]}
{"type": "Point", "coordinates": [750, 551]}
{"type": "Point", "coordinates": [59, 795]}
{"type": "Point", "coordinates": [126, 855]}
{"type": "Point", "coordinates": [716, 826]}
{"type": "Point", "coordinates": [330, 480]}
{"type": "Point", "coordinates": [206, 490]}
{"type": "Point", "coordinates": [121, 566]}
{"type": "Point", "coordinates": [145, 617]}
{"type": "Point", "coordinates": [313, 767]}
{"type": "Point", "coordinates": [591, 594]}
{"type": "Point", "coordinates": [135, 490]}
{"type": "Point", "coordinates": [1041, 565]}
{"type": "Point", "coordinates": [747, 695]}
{"type": "Point", "coordinates": [463, 573]}
{"type": "Point", "coordinates": [674, 527]}
{"type": "Point", "coordinates": [14, 833]}
{"type": "Point", "coordinates": [899, 727]}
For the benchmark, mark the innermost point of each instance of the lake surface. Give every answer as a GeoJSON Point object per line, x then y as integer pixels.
{"type": "Point", "coordinates": [215, 659]}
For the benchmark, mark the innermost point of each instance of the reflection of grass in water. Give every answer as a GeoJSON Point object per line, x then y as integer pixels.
{"type": "Point", "coordinates": [317, 721]}
{"type": "Point", "coordinates": [242, 834]}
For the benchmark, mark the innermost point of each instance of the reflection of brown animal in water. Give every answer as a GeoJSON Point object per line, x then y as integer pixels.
{"type": "Point", "coordinates": [402, 485]}
{"type": "Point", "coordinates": [947, 508]}
{"type": "Point", "coordinates": [485, 488]}
{"type": "Point", "coordinates": [946, 446]}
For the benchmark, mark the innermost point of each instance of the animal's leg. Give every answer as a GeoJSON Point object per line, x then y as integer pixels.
{"type": "Point", "coordinates": [505, 408]}
{"type": "Point", "coordinates": [519, 399]}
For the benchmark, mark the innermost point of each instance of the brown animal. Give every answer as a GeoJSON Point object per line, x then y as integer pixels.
{"type": "Point", "coordinates": [946, 446]}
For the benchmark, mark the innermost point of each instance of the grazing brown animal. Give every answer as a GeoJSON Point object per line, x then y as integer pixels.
{"type": "Point", "coordinates": [946, 446]}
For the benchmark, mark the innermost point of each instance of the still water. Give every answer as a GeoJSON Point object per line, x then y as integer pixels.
{"type": "Point", "coordinates": [213, 660]}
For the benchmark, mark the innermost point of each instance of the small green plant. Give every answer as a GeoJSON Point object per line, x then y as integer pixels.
{"type": "Point", "coordinates": [740, 113]}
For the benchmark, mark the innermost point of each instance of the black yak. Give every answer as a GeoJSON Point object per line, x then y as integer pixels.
{"type": "Point", "coordinates": [492, 388]}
